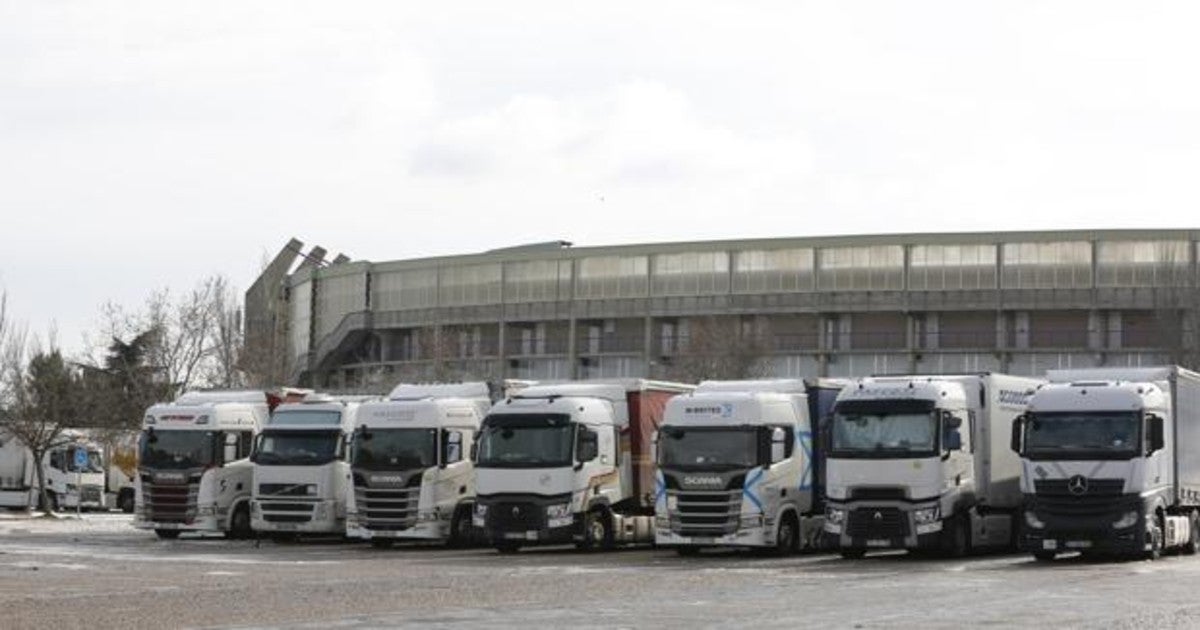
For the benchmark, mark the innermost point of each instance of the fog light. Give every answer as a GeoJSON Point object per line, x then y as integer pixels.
{"type": "Point", "coordinates": [1129, 519]}
{"type": "Point", "coordinates": [1033, 521]}
{"type": "Point", "coordinates": [927, 515]}
{"type": "Point", "coordinates": [834, 515]}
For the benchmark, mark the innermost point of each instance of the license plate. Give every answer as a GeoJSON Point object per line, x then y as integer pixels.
{"type": "Point", "coordinates": [1050, 544]}
{"type": "Point", "coordinates": [531, 535]}
{"type": "Point", "coordinates": [1079, 544]}
{"type": "Point", "coordinates": [879, 543]}
{"type": "Point", "coordinates": [514, 535]}
{"type": "Point", "coordinates": [286, 526]}
{"type": "Point", "coordinates": [704, 540]}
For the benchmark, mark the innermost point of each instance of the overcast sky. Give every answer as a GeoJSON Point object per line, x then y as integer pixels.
{"type": "Point", "coordinates": [147, 144]}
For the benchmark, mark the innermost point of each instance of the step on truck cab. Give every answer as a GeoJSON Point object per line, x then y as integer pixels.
{"type": "Point", "coordinates": [411, 477]}
{"type": "Point", "coordinates": [68, 485]}
{"type": "Point", "coordinates": [1110, 462]}
{"type": "Point", "coordinates": [192, 474]}
{"type": "Point", "coordinates": [738, 465]}
{"type": "Point", "coordinates": [570, 463]}
{"type": "Point", "coordinates": [301, 467]}
{"type": "Point", "coordinates": [922, 463]}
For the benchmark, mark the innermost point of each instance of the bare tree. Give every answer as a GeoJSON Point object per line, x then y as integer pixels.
{"type": "Point", "coordinates": [724, 348]}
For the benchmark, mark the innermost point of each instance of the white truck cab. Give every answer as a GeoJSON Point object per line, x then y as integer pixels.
{"type": "Point", "coordinates": [301, 469]}
{"type": "Point", "coordinates": [738, 465]}
{"type": "Point", "coordinates": [193, 475]}
{"type": "Point", "coordinates": [68, 484]}
{"type": "Point", "coordinates": [410, 474]}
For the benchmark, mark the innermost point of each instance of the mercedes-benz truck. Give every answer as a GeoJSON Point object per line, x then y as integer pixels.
{"type": "Point", "coordinates": [411, 477]}
{"type": "Point", "coordinates": [923, 463]}
{"type": "Point", "coordinates": [301, 468]}
{"type": "Point", "coordinates": [192, 472]}
{"type": "Point", "coordinates": [1111, 462]}
{"type": "Point", "coordinates": [570, 463]}
{"type": "Point", "coordinates": [738, 466]}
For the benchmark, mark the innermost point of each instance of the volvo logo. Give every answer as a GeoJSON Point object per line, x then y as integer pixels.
{"type": "Point", "coordinates": [1077, 485]}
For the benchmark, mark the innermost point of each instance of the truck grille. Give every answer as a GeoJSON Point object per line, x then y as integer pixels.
{"type": "Point", "coordinates": [387, 508]}
{"type": "Point", "coordinates": [705, 513]}
{"type": "Point", "coordinates": [91, 494]}
{"type": "Point", "coordinates": [170, 503]}
{"type": "Point", "coordinates": [1093, 488]}
{"type": "Point", "coordinates": [283, 489]}
{"type": "Point", "coordinates": [277, 511]}
{"type": "Point", "coordinates": [514, 516]}
{"type": "Point", "coordinates": [877, 523]}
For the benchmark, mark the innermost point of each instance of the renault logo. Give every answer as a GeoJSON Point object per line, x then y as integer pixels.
{"type": "Point", "coordinates": [516, 511]}
{"type": "Point", "coordinates": [1077, 485]}
{"type": "Point", "coordinates": [878, 516]}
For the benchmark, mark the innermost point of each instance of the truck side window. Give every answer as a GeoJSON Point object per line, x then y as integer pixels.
{"type": "Point", "coordinates": [971, 431]}
{"type": "Point", "coordinates": [245, 443]}
{"type": "Point", "coordinates": [789, 442]}
{"type": "Point", "coordinates": [56, 460]}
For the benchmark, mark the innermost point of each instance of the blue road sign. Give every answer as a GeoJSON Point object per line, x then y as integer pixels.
{"type": "Point", "coordinates": [81, 458]}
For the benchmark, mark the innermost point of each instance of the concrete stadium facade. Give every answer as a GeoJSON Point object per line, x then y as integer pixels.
{"type": "Point", "coordinates": [1018, 302]}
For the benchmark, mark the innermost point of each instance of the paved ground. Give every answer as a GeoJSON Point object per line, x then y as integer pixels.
{"type": "Point", "coordinates": [101, 573]}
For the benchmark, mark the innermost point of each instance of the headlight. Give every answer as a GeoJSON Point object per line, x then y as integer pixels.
{"type": "Point", "coordinates": [835, 515]}
{"type": "Point", "coordinates": [480, 510]}
{"type": "Point", "coordinates": [924, 516]}
{"type": "Point", "coordinates": [1129, 519]}
{"type": "Point", "coordinates": [560, 510]}
{"type": "Point", "coordinates": [1033, 521]}
{"type": "Point", "coordinates": [672, 502]}
{"type": "Point", "coordinates": [256, 508]}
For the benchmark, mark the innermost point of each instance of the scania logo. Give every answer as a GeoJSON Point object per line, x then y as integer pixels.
{"type": "Point", "coordinates": [1077, 485]}
{"type": "Point", "coordinates": [703, 481]}
{"type": "Point", "coordinates": [388, 479]}
{"type": "Point", "coordinates": [169, 478]}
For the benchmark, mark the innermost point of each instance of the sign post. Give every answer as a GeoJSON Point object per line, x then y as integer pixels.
{"type": "Point", "coordinates": [81, 461]}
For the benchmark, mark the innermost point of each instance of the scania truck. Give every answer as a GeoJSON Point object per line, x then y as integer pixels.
{"type": "Point", "coordinates": [1111, 462]}
{"type": "Point", "coordinates": [411, 477]}
{"type": "Point", "coordinates": [922, 463]}
{"type": "Point", "coordinates": [301, 468]}
{"type": "Point", "coordinates": [72, 480]}
{"type": "Point", "coordinates": [570, 463]}
{"type": "Point", "coordinates": [738, 466]}
{"type": "Point", "coordinates": [192, 474]}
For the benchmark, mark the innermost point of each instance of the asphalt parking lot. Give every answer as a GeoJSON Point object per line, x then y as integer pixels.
{"type": "Point", "coordinates": [102, 573]}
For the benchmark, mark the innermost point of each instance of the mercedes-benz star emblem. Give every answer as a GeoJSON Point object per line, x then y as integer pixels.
{"type": "Point", "coordinates": [1077, 485]}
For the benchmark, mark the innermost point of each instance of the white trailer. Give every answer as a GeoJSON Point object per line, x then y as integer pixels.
{"type": "Point", "coordinates": [411, 478]}
{"type": "Point", "coordinates": [922, 463]}
{"type": "Point", "coordinates": [1111, 462]}
{"type": "Point", "coordinates": [193, 475]}
{"type": "Point", "coordinates": [738, 465]}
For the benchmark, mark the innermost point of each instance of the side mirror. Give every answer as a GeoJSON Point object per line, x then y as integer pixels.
{"type": "Point", "coordinates": [588, 445]}
{"type": "Point", "coordinates": [778, 445]}
{"type": "Point", "coordinates": [1018, 427]}
{"type": "Point", "coordinates": [453, 446]}
{"type": "Point", "coordinates": [953, 441]}
{"type": "Point", "coordinates": [1155, 438]}
{"type": "Point", "coordinates": [474, 451]}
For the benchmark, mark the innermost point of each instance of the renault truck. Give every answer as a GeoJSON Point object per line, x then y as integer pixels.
{"type": "Point", "coordinates": [302, 469]}
{"type": "Point", "coordinates": [570, 462]}
{"type": "Point", "coordinates": [411, 478]}
{"type": "Point", "coordinates": [1111, 462]}
{"type": "Point", "coordinates": [739, 466]}
{"type": "Point", "coordinates": [192, 469]}
{"type": "Point", "coordinates": [922, 463]}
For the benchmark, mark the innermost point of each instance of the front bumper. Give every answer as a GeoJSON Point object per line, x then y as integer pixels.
{"type": "Point", "coordinates": [320, 517]}
{"type": "Point", "coordinates": [882, 526]}
{"type": "Point", "coordinates": [426, 529]}
{"type": "Point", "coordinates": [198, 524]}
{"type": "Point", "coordinates": [523, 520]}
{"type": "Point", "coordinates": [1084, 525]}
{"type": "Point", "coordinates": [751, 531]}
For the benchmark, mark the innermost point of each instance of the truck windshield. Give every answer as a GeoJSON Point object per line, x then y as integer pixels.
{"type": "Point", "coordinates": [525, 441]}
{"type": "Point", "coordinates": [1082, 435]}
{"type": "Point", "coordinates": [95, 462]}
{"type": "Point", "coordinates": [394, 449]}
{"type": "Point", "coordinates": [177, 450]}
{"type": "Point", "coordinates": [884, 435]}
{"type": "Point", "coordinates": [708, 448]}
{"type": "Point", "coordinates": [296, 448]}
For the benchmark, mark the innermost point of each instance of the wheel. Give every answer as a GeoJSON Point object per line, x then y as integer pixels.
{"type": "Point", "coordinates": [167, 534]}
{"type": "Point", "coordinates": [460, 528]}
{"type": "Point", "coordinates": [853, 553]}
{"type": "Point", "coordinates": [597, 531]}
{"type": "Point", "coordinates": [1156, 540]}
{"type": "Point", "coordinates": [787, 539]}
{"type": "Point", "coordinates": [51, 502]}
{"type": "Point", "coordinates": [688, 551]}
{"type": "Point", "coordinates": [1189, 548]}
{"type": "Point", "coordinates": [955, 538]}
{"type": "Point", "coordinates": [1044, 556]}
{"type": "Point", "coordinates": [508, 547]}
{"type": "Point", "coordinates": [125, 501]}
{"type": "Point", "coordinates": [239, 523]}
{"type": "Point", "coordinates": [382, 543]}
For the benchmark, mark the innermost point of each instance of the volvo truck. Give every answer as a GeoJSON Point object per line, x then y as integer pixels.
{"type": "Point", "coordinates": [738, 466]}
{"type": "Point", "coordinates": [1111, 462]}
{"type": "Point", "coordinates": [411, 478]}
{"type": "Point", "coordinates": [192, 471]}
{"type": "Point", "coordinates": [73, 469]}
{"type": "Point", "coordinates": [570, 463]}
{"type": "Point", "coordinates": [302, 468]}
{"type": "Point", "coordinates": [922, 463]}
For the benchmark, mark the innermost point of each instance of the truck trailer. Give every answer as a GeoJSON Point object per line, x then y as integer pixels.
{"type": "Point", "coordinates": [738, 466]}
{"type": "Point", "coordinates": [1111, 462]}
{"type": "Point", "coordinates": [570, 463]}
{"type": "Point", "coordinates": [411, 477]}
{"type": "Point", "coordinates": [921, 463]}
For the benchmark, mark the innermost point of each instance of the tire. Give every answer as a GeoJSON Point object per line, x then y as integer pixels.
{"type": "Point", "coordinates": [1156, 540]}
{"type": "Point", "coordinates": [956, 541]}
{"type": "Point", "coordinates": [687, 551]}
{"type": "Point", "coordinates": [460, 528]}
{"type": "Point", "coordinates": [125, 501]}
{"type": "Point", "coordinates": [508, 547]}
{"type": "Point", "coordinates": [239, 523]}
{"type": "Point", "coordinates": [597, 531]}
{"type": "Point", "coordinates": [787, 539]}
{"type": "Point", "coordinates": [167, 534]}
{"type": "Point", "coordinates": [382, 543]}
{"type": "Point", "coordinates": [851, 553]}
{"type": "Point", "coordinates": [1044, 556]}
{"type": "Point", "coordinates": [1193, 544]}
